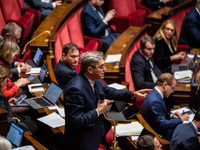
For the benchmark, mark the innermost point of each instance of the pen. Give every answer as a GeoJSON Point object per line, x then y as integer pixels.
{"type": "Point", "coordinates": [183, 112]}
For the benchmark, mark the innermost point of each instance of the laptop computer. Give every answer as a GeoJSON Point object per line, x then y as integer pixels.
{"type": "Point", "coordinates": [49, 98]}
{"type": "Point", "coordinates": [37, 58]}
{"type": "Point", "coordinates": [42, 75]}
{"type": "Point", "coordinates": [15, 135]}
{"type": "Point", "coordinates": [180, 67]}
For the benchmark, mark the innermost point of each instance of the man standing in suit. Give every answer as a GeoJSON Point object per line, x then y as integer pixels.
{"type": "Point", "coordinates": [44, 6]}
{"type": "Point", "coordinates": [185, 136]}
{"type": "Point", "coordinates": [144, 70]}
{"type": "Point", "coordinates": [12, 31]}
{"type": "Point", "coordinates": [154, 110]}
{"type": "Point", "coordinates": [65, 70]}
{"type": "Point", "coordinates": [84, 125]}
{"type": "Point", "coordinates": [190, 31]}
{"type": "Point", "coordinates": [96, 24]}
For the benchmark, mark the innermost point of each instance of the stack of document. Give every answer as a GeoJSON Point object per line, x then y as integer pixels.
{"type": "Point", "coordinates": [133, 128]}
{"type": "Point", "coordinates": [183, 76]}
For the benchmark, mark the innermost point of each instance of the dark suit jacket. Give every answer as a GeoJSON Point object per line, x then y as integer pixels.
{"type": "Point", "coordinates": [155, 113]}
{"type": "Point", "coordinates": [44, 8]}
{"type": "Point", "coordinates": [153, 4]}
{"type": "Point", "coordinates": [185, 137]}
{"type": "Point", "coordinates": [93, 25]}
{"type": "Point", "coordinates": [83, 128]}
{"type": "Point", "coordinates": [162, 55]}
{"type": "Point", "coordinates": [63, 73]}
{"type": "Point", "coordinates": [141, 73]}
{"type": "Point", "coordinates": [190, 31]}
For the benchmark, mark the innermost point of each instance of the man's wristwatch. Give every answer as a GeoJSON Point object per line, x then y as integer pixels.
{"type": "Point", "coordinates": [133, 95]}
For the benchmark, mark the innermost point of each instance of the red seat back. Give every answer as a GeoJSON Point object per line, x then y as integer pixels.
{"type": "Point", "coordinates": [128, 75]}
{"type": "Point", "coordinates": [125, 7]}
{"type": "Point", "coordinates": [10, 9]}
{"type": "Point", "coordinates": [2, 21]}
{"type": "Point", "coordinates": [61, 39]}
{"type": "Point", "coordinates": [75, 29]}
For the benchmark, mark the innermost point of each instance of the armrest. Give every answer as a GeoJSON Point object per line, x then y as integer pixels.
{"type": "Point", "coordinates": [120, 27]}
{"type": "Point", "coordinates": [148, 11]}
{"type": "Point", "coordinates": [183, 47]}
{"type": "Point", "coordinates": [113, 27]}
{"type": "Point", "coordinates": [88, 38]}
{"type": "Point", "coordinates": [36, 12]}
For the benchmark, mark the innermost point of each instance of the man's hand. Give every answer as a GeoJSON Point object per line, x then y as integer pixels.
{"type": "Point", "coordinates": [142, 93]}
{"type": "Point", "coordinates": [166, 1]}
{"type": "Point", "coordinates": [16, 119]}
{"type": "Point", "coordinates": [23, 67]}
{"type": "Point", "coordinates": [11, 101]}
{"type": "Point", "coordinates": [109, 16]}
{"type": "Point", "coordinates": [58, 3]}
{"type": "Point", "coordinates": [176, 115]}
{"type": "Point", "coordinates": [185, 117]}
{"type": "Point", "coordinates": [22, 82]}
{"type": "Point", "coordinates": [102, 107]}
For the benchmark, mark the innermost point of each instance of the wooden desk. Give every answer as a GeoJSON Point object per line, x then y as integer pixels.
{"type": "Point", "coordinates": [195, 50]}
{"type": "Point", "coordinates": [122, 45]}
{"type": "Point", "coordinates": [156, 18]}
{"type": "Point", "coordinates": [53, 23]}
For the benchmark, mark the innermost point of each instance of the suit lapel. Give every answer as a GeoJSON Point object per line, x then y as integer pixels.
{"type": "Point", "coordinates": [89, 88]}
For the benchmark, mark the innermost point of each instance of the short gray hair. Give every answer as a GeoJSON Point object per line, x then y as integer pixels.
{"type": "Point", "coordinates": [10, 28]}
{"type": "Point", "coordinates": [90, 59]}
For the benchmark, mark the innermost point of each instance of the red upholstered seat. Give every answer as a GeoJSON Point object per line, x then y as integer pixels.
{"type": "Point", "coordinates": [178, 19]}
{"type": "Point", "coordinates": [12, 13]}
{"type": "Point", "coordinates": [127, 14]}
{"type": "Point", "coordinates": [128, 75]}
{"type": "Point", "coordinates": [2, 21]}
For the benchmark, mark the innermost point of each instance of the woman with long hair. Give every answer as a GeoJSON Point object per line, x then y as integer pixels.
{"type": "Point", "coordinates": [166, 45]}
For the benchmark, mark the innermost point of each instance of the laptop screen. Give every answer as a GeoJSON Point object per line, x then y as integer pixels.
{"type": "Point", "coordinates": [43, 72]}
{"type": "Point", "coordinates": [38, 56]}
{"type": "Point", "coordinates": [53, 92]}
{"type": "Point", "coordinates": [15, 135]}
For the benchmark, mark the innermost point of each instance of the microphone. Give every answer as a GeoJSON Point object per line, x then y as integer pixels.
{"type": "Point", "coordinates": [24, 49]}
{"type": "Point", "coordinates": [102, 97]}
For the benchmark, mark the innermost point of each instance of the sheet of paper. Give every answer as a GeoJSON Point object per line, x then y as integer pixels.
{"type": "Point", "coordinates": [133, 128]}
{"type": "Point", "coordinates": [53, 107]}
{"type": "Point", "coordinates": [183, 74]}
{"type": "Point", "coordinates": [117, 86]}
{"type": "Point", "coordinates": [113, 58]}
{"type": "Point", "coordinates": [134, 137]}
{"type": "Point", "coordinates": [27, 147]}
{"type": "Point", "coordinates": [53, 120]}
{"type": "Point", "coordinates": [34, 70]}
{"type": "Point", "coordinates": [191, 55]}
{"type": "Point", "coordinates": [61, 111]}
{"type": "Point", "coordinates": [181, 110]}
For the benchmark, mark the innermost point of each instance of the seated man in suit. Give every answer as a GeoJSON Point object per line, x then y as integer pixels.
{"type": "Point", "coordinates": [185, 136]}
{"type": "Point", "coordinates": [154, 110]}
{"type": "Point", "coordinates": [148, 142]}
{"type": "Point", "coordinates": [12, 32]}
{"type": "Point", "coordinates": [44, 6]}
{"type": "Point", "coordinates": [96, 24]}
{"type": "Point", "coordinates": [144, 70]}
{"type": "Point", "coordinates": [190, 30]}
{"type": "Point", "coordinates": [65, 70]}
{"type": "Point", "coordinates": [85, 123]}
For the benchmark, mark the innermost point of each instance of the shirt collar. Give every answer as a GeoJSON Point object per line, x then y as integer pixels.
{"type": "Point", "coordinates": [197, 10]}
{"type": "Point", "coordinates": [161, 94]}
{"type": "Point", "coordinates": [90, 81]}
{"type": "Point", "coordinates": [147, 58]}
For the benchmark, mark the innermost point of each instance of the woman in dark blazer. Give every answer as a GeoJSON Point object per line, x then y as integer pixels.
{"type": "Point", "coordinates": [166, 43]}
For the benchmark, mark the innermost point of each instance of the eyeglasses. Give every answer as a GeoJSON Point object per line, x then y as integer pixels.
{"type": "Point", "coordinates": [73, 57]}
{"type": "Point", "coordinates": [101, 67]}
{"type": "Point", "coordinates": [173, 88]}
{"type": "Point", "coordinates": [168, 29]}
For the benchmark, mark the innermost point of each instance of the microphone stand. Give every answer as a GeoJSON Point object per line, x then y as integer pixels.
{"type": "Point", "coordinates": [50, 49]}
